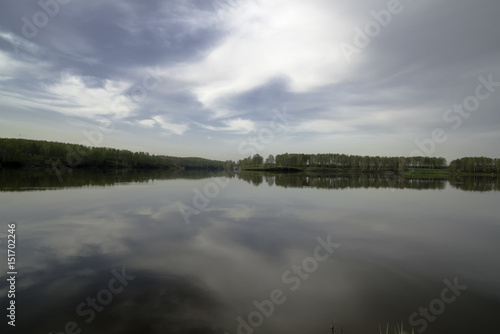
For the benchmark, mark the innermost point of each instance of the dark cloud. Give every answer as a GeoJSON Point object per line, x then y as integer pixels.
{"type": "Point", "coordinates": [221, 61]}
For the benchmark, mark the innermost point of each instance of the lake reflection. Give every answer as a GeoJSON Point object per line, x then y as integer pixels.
{"type": "Point", "coordinates": [397, 246]}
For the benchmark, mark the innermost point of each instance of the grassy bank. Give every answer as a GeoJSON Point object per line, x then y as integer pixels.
{"type": "Point", "coordinates": [427, 173]}
{"type": "Point", "coordinates": [275, 169]}
{"type": "Point", "coordinates": [411, 173]}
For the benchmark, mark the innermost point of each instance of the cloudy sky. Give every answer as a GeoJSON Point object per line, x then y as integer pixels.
{"type": "Point", "coordinates": [227, 78]}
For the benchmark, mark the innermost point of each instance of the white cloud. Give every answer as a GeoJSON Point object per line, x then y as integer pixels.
{"type": "Point", "coordinates": [295, 39]}
{"type": "Point", "coordinates": [147, 122]}
{"type": "Point", "coordinates": [18, 43]}
{"type": "Point", "coordinates": [177, 129]}
{"type": "Point", "coordinates": [73, 97]}
{"type": "Point", "coordinates": [240, 125]}
{"type": "Point", "coordinates": [237, 125]}
{"type": "Point", "coordinates": [69, 95]}
{"type": "Point", "coordinates": [355, 119]}
{"type": "Point", "coordinates": [10, 67]}
{"type": "Point", "coordinates": [321, 126]}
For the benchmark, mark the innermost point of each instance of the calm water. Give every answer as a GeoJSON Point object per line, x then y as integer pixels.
{"type": "Point", "coordinates": [114, 253]}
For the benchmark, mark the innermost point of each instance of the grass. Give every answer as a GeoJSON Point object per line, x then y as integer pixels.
{"type": "Point", "coordinates": [427, 173]}
{"type": "Point", "coordinates": [397, 329]}
{"type": "Point", "coordinates": [271, 168]}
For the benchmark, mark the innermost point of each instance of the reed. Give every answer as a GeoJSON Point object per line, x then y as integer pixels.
{"type": "Point", "coordinates": [398, 329]}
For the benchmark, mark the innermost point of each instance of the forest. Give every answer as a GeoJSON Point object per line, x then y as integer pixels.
{"type": "Point", "coordinates": [475, 165]}
{"type": "Point", "coordinates": [39, 153]}
{"type": "Point", "coordinates": [370, 164]}
{"type": "Point", "coordinates": [56, 155]}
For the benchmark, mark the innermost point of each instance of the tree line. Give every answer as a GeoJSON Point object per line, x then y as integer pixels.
{"type": "Point", "coordinates": [27, 152]}
{"type": "Point", "coordinates": [370, 164]}
{"type": "Point", "coordinates": [360, 163]}
{"type": "Point", "coordinates": [475, 165]}
{"type": "Point", "coordinates": [346, 162]}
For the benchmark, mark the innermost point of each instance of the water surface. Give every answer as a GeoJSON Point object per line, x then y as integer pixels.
{"type": "Point", "coordinates": [201, 251]}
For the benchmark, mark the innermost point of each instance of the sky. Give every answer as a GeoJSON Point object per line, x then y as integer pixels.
{"type": "Point", "coordinates": [225, 79]}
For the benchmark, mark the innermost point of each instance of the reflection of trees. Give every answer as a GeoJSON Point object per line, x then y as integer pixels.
{"type": "Point", "coordinates": [23, 179]}
{"type": "Point", "coordinates": [252, 178]}
{"type": "Point", "coordinates": [342, 181]}
{"type": "Point", "coordinates": [361, 181]}
{"type": "Point", "coordinates": [476, 183]}
{"type": "Point", "coordinates": [269, 180]}
{"type": "Point", "coordinates": [365, 180]}
{"type": "Point", "coordinates": [369, 180]}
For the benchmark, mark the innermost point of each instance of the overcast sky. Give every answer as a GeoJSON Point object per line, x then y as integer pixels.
{"type": "Point", "coordinates": [225, 79]}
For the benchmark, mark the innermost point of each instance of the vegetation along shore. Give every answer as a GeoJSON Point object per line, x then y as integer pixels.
{"type": "Point", "coordinates": [19, 153]}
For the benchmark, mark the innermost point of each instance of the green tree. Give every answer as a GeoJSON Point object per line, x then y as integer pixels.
{"type": "Point", "coordinates": [270, 159]}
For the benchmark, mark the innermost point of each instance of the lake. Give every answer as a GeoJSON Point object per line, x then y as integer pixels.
{"type": "Point", "coordinates": [195, 252]}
